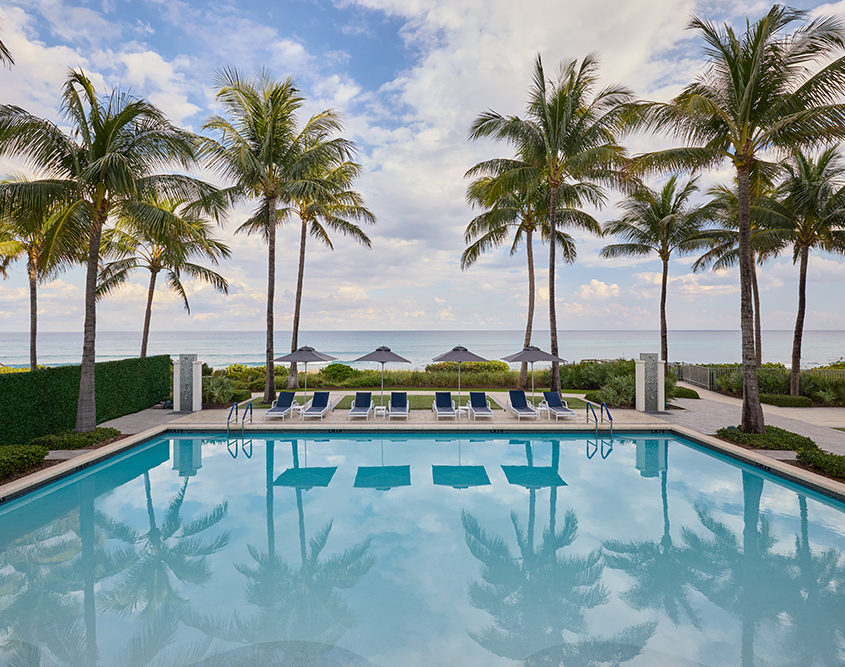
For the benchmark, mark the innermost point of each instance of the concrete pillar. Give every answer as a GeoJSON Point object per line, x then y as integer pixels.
{"type": "Point", "coordinates": [651, 390]}
{"type": "Point", "coordinates": [187, 383]}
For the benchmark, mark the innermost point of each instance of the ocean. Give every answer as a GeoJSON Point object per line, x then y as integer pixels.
{"type": "Point", "coordinates": [220, 348]}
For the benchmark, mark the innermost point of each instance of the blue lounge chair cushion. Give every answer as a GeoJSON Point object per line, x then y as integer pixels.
{"type": "Point", "coordinates": [478, 400]}
{"type": "Point", "coordinates": [443, 400]}
{"type": "Point", "coordinates": [284, 401]}
{"type": "Point", "coordinates": [363, 399]}
{"type": "Point", "coordinates": [553, 399]}
{"type": "Point", "coordinates": [518, 401]}
{"type": "Point", "coordinates": [320, 400]}
{"type": "Point", "coordinates": [398, 400]}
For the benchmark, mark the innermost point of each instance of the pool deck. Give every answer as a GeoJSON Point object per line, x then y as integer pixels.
{"type": "Point", "coordinates": [698, 421]}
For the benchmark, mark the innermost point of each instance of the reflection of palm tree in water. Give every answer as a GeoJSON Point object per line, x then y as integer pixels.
{"type": "Point", "coordinates": [817, 600]}
{"type": "Point", "coordinates": [660, 570]}
{"type": "Point", "coordinates": [295, 604]}
{"type": "Point", "coordinates": [539, 595]}
{"type": "Point", "coordinates": [49, 567]}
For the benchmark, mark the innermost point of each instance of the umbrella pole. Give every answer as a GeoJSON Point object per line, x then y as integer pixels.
{"type": "Point", "coordinates": [458, 413]}
{"type": "Point", "coordinates": [533, 399]}
{"type": "Point", "coordinates": [382, 384]}
{"type": "Point", "coordinates": [305, 391]}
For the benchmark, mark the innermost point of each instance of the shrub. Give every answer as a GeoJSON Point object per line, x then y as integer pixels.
{"type": "Point", "coordinates": [241, 395]}
{"type": "Point", "coordinates": [786, 401]}
{"type": "Point", "coordinates": [337, 373]}
{"type": "Point", "coordinates": [591, 375]}
{"type": "Point", "coordinates": [828, 396]}
{"type": "Point", "coordinates": [773, 438]}
{"type": "Point", "coordinates": [9, 369]}
{"type": "Point", "coordinates": [72, 440]}
{"type": "Point", "coordinates": [123, 387]}
{"type": "Point", "coordinates": [620, 391]}
{"type": "Point", "coordinates": [469, 367]}
{"type": "Point", "coordinates": [16, 459]}
{"type": "Point", "coordinates": [593, 397]}
{"type": "Point", "coordinates": [831, 464]}
{"type": "Point", "coordinates": [218, 389]}
{"type": "Point", "coordinates": [684, 392]}
{"type": "Point", "coordinates": [206, 369]}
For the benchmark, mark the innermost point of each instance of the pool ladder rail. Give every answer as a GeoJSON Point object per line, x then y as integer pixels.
{"type": "Point", "coordinates": [233, 419]}
{"type": "Point", "coordinates": [604, 409]}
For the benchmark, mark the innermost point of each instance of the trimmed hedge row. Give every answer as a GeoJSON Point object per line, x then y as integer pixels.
{"type": "Point", "coordinates": [786, 401]}
{"type": "Point", "coordinates": [73, 440]}
{"type": "Point", "coordinates": [684, 392]}
{"type": "Point", "coordinates": [44, 401]}
{"type": "Point", "coordinates": [808, 451]}
{"type": "Point", "coordinates": [15, 459]}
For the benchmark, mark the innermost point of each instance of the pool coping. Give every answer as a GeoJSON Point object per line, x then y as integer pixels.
{"type": "Point", "coordinates": [790, 473]}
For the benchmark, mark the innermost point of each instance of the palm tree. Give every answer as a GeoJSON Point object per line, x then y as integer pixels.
{"type": "Point", "coordinates": [813, 199]}
{"type": "Point", "coordinates": [765, 241]}
{"type": "Point", "coordinates": [658, 222]}
{"type": "Point", "coordinates": [758, 95]}
{"type": "Point", "coordinates": [107, 165]}
{"type": "Point", "coordinates": [262, 150]}
{"type": "Point", "coordinates": [5, 56]}
{"type": "Point", "coordinates": [140, 246]}
{"type": "Point", "coordinates": [25, 233]}
{"type": "Point", "coordinates": [524, 211]}
{"type": "Point", "coordinates": [329, 203]}
{"type": "Point", "coordinates": [567, 138]}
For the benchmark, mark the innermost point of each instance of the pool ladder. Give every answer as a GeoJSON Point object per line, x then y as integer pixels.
{"type": "Point", "coordinates": [604, 409]}
{"type": "Point", "coordinates": [233, 412]}
{"type": "Point", "coordinates": [595, 447]}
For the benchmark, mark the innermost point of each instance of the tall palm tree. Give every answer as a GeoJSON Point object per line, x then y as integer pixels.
{"type": "Point", "coordinates": [723, 240]}
{"type": "Point", "coordinates": [567, 137]}
{"type": "Point", "coordinates": [108, 164]}
{"type": "Point", "coordinates": [523, 211]}
{"type": "Point", "coordinates": [658, 222]}
{"type": "Point", "coordinates": [140, 246]}
{"type": "Point", "coordinates": [759, 95]}
{"type": "Point", "coordinates": [25, 233]}
{"type": "Point", "coordinates": [813, 199]}
{"type": "Point", "coordinates": [329, 204]}
{"type": "Point", "coordinates": [261, 150]}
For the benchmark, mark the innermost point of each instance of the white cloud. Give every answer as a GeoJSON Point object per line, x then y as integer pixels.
{"type": "Point", "coordinates": [598, 290]}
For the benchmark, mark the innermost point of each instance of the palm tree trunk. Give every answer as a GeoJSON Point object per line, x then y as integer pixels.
{"type": "Point", "coordinates": [270, 380]}
{"type": "Point", "coordinates": [32, 270]}
{"type": "Point", "coordinates": [529, 327]}
{"type": "Point", "coordinates": [86, 409]}
{"type": "Point", "coordinates": [293, 380]}
{"type": "Point", "coordinates": [664, 339]}
{"type": "Point", "coordinates": [145, 337]}
{"type": "Point", "coordinates": [555, 383]}
{"type": "Point", "coordinates": [758, 330]}
{"type": "Point", "coordinates": [89, 575]}
{"type": "Point", "coordinates": [794, 375]}
{"type": "Point", "coordinates": [752, 411]}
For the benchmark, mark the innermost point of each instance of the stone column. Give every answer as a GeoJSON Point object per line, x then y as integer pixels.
{"type": "Point", "coordinates": [651, 391]}
{"type": "Point", "coordinates": [184, 384]}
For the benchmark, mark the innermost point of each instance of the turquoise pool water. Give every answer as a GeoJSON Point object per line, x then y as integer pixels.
{"type": "Point", "coordinates": [421, 550]}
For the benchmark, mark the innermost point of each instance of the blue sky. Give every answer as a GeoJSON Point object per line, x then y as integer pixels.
{"type": "Point", "coordinates": [409, 77]}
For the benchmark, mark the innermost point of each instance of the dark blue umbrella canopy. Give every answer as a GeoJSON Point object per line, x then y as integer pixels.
{"type": "Point", "coordinates": [460, 354]}
{"type": "Point", "coordinates": [305, 355]}
{"type": "Point", "coordinates": [383, 355]}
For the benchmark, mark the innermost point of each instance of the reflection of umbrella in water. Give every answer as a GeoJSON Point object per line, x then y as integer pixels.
{"type": "Point", "coordinates": [305, 355]}
{"type": "Point", "coordinates": [459, 476]}
{"type": "Point", "coordinates": [382, 355]}
{"type": "Point", "coordinates": [286, 654]}
{"type": "Point", "coordinates": [531, 354]}
{"type": "Point", "coordinates": [531, 476]}
{"type": "Point", "coordinates": [459, 354]}
{"type": "Point", "coordinates": [382, 478]}
{"type": "Point", "coordinates": [304, 478]}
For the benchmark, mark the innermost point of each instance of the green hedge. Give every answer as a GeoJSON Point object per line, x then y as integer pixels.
{"type": "Point", "coordinates": [773, 438]}
{"type": "Point", "coordinates": [786, 401]}
{"type": "Point", "coordinates": [684, 392]}
{"type": "Point", "coordinates": [15, 459]}
{"type": "Point", "coordinates": [832, 464]}
{"type": "Point", "coordinates": [72, 440]}
{"type": "Point", "coordinates": [44, 401]}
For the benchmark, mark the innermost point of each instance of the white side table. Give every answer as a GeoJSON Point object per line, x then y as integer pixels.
{"type": "Point", "coordinates": [463, 410]}
{"type": "Point", "coordinates": [380, 411]}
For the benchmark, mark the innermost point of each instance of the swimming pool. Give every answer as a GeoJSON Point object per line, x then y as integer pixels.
{"type": "Point", "coordinates": [421, 549]}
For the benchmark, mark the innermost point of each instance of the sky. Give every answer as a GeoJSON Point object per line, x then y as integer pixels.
{"type": "Point", "coordinates": [408, 76]}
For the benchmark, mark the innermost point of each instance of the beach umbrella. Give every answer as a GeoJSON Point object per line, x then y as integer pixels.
{"type": "Point", "coordinates": [304, 355]}
{"type": "Point", "coordinates": [459, 354]}
{"type": "Point", "coordinates": [531, 354]}
{"type": "Point", "coordinates": [382, 355]}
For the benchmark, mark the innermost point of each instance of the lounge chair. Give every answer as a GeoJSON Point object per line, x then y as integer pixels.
{"type": "Point", "coordinates": [443, 405]}
{"type": "Point", "coordinates": [398, 406]}
{"type": "Point", "coordinates": [479, 405]}
{"type": "Point", "coordinates": [362, 406]}
{"type": "Point", "coordinates": [554, 405]}
{"type": "Point", "coordinates": [519, 405]}
{"type": "Point", "coordinates": [284, 406]}
{"type": "Point", "coordinates": [318, 406]}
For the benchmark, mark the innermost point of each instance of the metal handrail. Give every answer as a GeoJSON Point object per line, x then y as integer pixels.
{"type": "Point", "coordinates": [234, 409]}
{"type": "Point", "coordinates": [590, 409]}
{"type": "Point", "coordinates": [247, 409]}
{"type": "Point", "coordinates": [604, 409]}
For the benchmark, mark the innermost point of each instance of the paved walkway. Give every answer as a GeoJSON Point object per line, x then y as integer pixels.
{"type": "Point", "coordinates": [713, 411]}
